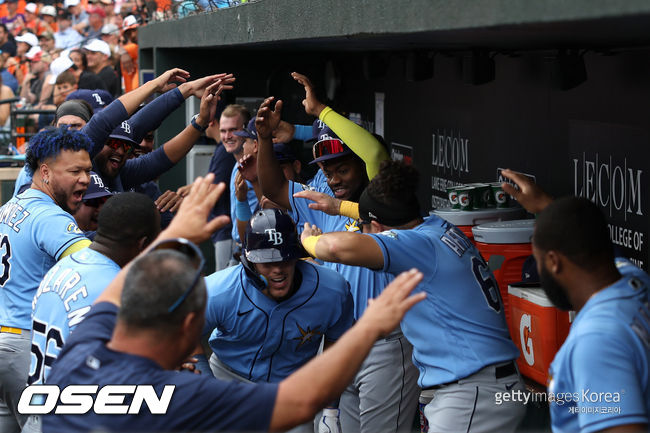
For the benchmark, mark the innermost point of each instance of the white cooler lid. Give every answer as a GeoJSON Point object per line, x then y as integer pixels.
{"type": "Point", "coordinates": [475, 217]}
{"type": "Point", "coordinates": [535, 295]}
{"type": "Point", "coordinates": [505, 232]}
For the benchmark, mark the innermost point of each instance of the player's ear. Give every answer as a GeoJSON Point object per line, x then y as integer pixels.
{"type": "Point", "coordinates": [45, 171]}
{"type": "Point", "coordinates": [376, 227]}
{"type": "Point", "coordinates": [553, 261]}
{"type": "Point", "coordinates": [297, 166]}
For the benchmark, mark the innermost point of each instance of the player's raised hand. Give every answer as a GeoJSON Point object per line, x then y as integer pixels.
{"type": "Point", "coordinates": [312, 105]}
{"type": "Point", "coordinates": [322, 202]}
{"type": "Point", "coordinates": [533, 198]}
{"type": "Point", "coordinates": [168, 201]}
{"type": "Point", "coordinates": [310, 230]}
{"type": "Point", "coordinates": [267, 120]}
{"type": "Point", "coordinates": [241, 187]}
{"type": "Point", "coordinates": [247, 166]}
{"type": "Point", "coordinates": [284, 132]}
{"type": "Point", "coordinates": [168, 79]}
{"type": "Point", "coordinates": [200, 86]}
{"type": "Point", "coordinates": [386, 311]}
{"type": "Point", "coordinates": [191, 220]}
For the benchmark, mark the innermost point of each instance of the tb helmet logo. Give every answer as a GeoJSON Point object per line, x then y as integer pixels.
{"type": "Point", "coordinates": [274, 236]}
{"type": "Point", "coordinates": [97, 180]}
{"type": "Point", "coordinates": [126, 127]}
{"type": "Point", "coordinates": [525, 330]}
{"type": "Point", "coordinates": [99, 99]}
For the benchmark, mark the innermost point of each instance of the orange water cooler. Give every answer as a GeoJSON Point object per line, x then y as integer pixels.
{"type": "Point", "coordinates": [505, 245]}
{"type": "Point", "coordinates": [539, 329]}
{"type": "Point", "coordinates": [466, 220]}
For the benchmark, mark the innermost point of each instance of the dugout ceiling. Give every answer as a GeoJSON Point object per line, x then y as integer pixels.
{"type": "Point", "coordinates": [563, 97]}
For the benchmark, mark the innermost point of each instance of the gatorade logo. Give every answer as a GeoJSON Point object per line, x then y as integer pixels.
{"type": "Point", "coordinates": [463, 199]}
{"type": "Point", "coordinates": [274, 236]}
{"type": "Point", "coordinates": [500, 197]}
{"type": "Point", "coordinates": [525, 330]}
{"type": "Point", "coordinates": [453, 197]}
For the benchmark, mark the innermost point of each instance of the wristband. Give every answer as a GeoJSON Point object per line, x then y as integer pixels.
{"type": "Point", "coordinates": [196, 125]}
{"type": "Point", "coordinates": [349, 209]}
{"type": "Point", "coordinates": [243, 211]}
{"type": "Point", "coordinates": [309, 245]}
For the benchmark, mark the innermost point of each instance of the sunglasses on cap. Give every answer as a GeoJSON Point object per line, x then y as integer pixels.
{"type": "Point", "coordinates": [193, 253]}
{"type": "Point", "coordinates": [115, 144]}
{"type": "Point", "coordinates": [96, 202]}
{"type": "Point", "coordinates": [328, 146]}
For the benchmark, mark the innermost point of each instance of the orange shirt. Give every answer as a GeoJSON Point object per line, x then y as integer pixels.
{"type": "Point", "coordinates": [131, 81]}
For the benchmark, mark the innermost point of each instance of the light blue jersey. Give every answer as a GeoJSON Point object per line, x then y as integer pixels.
{"type": "Point", "coordinates": [365, 283]}
{"type": "Point", "coordinates": [34, 232]}
{"type": "Point", "coordinates": [600, 377]}
{"type": "Point", "coordinates": [23, 179]}
{"type": "Point", "coordinates": [460, 327]}
{"type": "Point", "coordinates": [62, 300]}
{"type": "Point", "coordinates": [265, 341]}
{"type": "Point", "coordinates": [252, 202]}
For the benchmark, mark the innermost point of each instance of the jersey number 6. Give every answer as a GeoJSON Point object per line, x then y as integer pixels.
{"type": "Point", "coordinates": [486, 282]}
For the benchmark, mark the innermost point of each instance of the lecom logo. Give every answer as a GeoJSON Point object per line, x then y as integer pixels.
{"type": "Point", "coordinates": [81, 399]}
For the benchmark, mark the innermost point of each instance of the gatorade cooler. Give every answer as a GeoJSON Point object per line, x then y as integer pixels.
{"type": "Point", "coordinates": [465, 220]}
{"type": "Point", "coordinates": [539, 329]}
{"type": "Point", "coordinates": [505, 246]}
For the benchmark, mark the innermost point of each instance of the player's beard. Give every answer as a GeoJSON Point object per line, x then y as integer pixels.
{"type": "Point", "coordinates": [61, 198]}
{"type": "Point", "coordinates": [554, 290]}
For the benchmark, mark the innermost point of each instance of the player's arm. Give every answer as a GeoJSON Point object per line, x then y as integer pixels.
{"type": "Point", "coordinates": [325, 377]}
{"type": "Point", "coordinates": [533, 198]}
{"type": "Point", "coordinates": [177, 147]}
{"type": "Point", "coordinates": [330, 205]}
{"type": "Point", "coordinates": [360, 141]}
{"type": "Point", "coordinates": [342, 247]}
{"type": "Point", "coordinates": [271, 178]}
{"type": "Point", "coordinates": [191, 222]}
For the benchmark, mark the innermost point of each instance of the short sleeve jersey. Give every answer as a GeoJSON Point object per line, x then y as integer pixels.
{"type": "Point", "coordinates": [198, 403]}
{"type": "Point", "coordinates": [264, 340]}
{"type": "Point", "coordinates": [62, 301]}
{"type": "Point", "coordinates": [365, 283]}
{"type": "Point", "coordinates": [600, 377]}
{"type": "Point", "coordinates": [34, 232]}
{"type": "Point", "coordinates": [463, 311]}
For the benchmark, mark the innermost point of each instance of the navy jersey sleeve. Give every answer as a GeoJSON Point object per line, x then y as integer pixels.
{"type": "Point", "coordinates": [607, 383]}
{"type": "Point", "coordinates": [346, 318]}
{"type": "Point", "coordinates": [152, 115]}
{"type": "Point", "coordinates": [102, 124]}
{"type": "Point", "coordinates": [221, 165]}
{"type": "Point", "coordinates": [144, 168]}
{"type": "Point", "coordinates": [97, 325]}
{"type": "Point", "coordinates": [213, 405]}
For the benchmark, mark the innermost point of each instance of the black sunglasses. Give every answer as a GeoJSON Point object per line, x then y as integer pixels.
{"type": "Point", "coordinates": [193, 253]}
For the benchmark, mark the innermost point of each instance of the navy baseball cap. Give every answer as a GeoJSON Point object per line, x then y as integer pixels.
{"type": "Point", "coordinates": [98, 99]}
{"type": "Point", "coordinates": [96, 188]}
{"type": "Point", "coordinates": [249, 131]}
{"type": "Point", "coordinates": [283, 153]}
{"type": "Point", "coordinates": [329, 148]}
{"type": "Point", "coordinates": [125, 132]}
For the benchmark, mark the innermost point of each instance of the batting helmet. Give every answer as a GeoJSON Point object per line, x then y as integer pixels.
{"type": "Point", "coordinates": [271, 236]}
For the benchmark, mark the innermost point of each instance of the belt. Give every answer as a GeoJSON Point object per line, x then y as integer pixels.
{"type": "Point", "coordinates": [11, 330]}
{"type": "Point", "coordinates": [499, 373]}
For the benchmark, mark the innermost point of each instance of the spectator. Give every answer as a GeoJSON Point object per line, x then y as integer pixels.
{"type": "Point", "coordinates": [109, 8]}
{"type": "Point", "coordinates": [5, 109]}
{"type": "Point", "coordinates": [66, 83]}
{"type": "Point", "coordinates": [67, 37]}
{"type": "Point", "coordinates": [33, 81]}
{"type": "Point", "coordinates": [32, 21]}
{"type": "Point", "coordinates": [7, 43]}
{"type": "Point", "coordinates": [14, 21]}
{"type": "Point", "coordinates": [46, 42]}
{"type": "Point", "coordinates": [19, 65]}
{"type": "Point", "coordinates": [129, 54]}
{"type": "Point", "coordinates": [96, 16]}
{"type": "Point", "coordinates": [7, 77]}
{"type": "Point", "coordinates": [48, 16]}
{"type": "Point", "coordinates": [78, 16]}
{"type": "Point", "coordinates": [98, 54]}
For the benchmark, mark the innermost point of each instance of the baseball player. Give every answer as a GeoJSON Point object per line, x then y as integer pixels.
{"type": "Point", "coordinates": [461, 342]}
{"type": "Point", "coordinates": [384, 392]}
{"type": "Point", "coordinates": [600, 377]}
{"type": "Point", "coordinates": [36, 230]}
{"type": "Point", "coordinates": [128, 222]}
{"type": "Point", "coordinates": [268, 315]}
